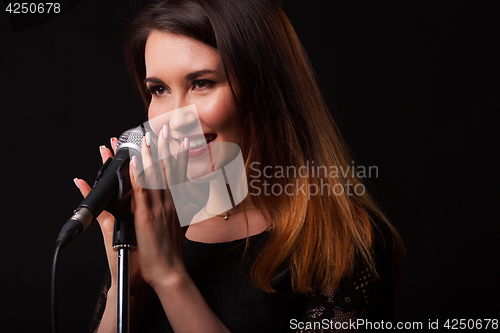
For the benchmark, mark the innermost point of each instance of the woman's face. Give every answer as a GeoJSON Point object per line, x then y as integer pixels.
{"type": "Point", "coordinates": [191, 95]}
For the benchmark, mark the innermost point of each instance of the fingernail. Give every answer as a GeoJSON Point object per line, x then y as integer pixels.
{"type": "Point", "coordinates": [165, 131]}
{"type": "Point", "coordinates": [186, 143]}
{"type": "Point", "coordinates": [112, 140]}
{"type": "Point", "coordinates": [74, 180]}
{"type": "Point", "coordinates": [134, 161]}
{"type": "Point", "coordinates": [148, 139]}
{"type": "Point", "coordinates": [101, 148]}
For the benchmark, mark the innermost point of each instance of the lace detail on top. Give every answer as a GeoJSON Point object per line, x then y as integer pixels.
{"type": "Point", "coordinates": [101, 303]}
{"type": "Point", "coordinates": [366, 297]}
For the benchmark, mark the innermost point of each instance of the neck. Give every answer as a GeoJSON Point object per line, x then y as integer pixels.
{"type": "Point", "coordinates": [227, 190]}
{"type": "Point", "coordinates": [219, 200]}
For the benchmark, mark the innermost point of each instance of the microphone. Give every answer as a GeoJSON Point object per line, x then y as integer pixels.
{"type": "Point", "coordinates": [111, 190]}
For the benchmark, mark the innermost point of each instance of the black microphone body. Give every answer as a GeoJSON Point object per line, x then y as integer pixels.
{"type": "Point", "coordinates": [111, 191]}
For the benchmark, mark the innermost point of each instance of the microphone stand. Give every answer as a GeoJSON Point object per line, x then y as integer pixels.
{"type": "Point", "coordinates": [124, 241]}
{"type": "Point", "coordinates": [119, 206]}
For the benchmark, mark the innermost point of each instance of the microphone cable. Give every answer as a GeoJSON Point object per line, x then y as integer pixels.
{"type": "Point", "coordinates": [53, 291]}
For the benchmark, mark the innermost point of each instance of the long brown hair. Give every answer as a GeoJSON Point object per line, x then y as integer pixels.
{"type": "Point", "coordinates": [286, 124]}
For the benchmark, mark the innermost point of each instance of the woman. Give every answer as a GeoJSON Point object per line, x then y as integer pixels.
{"type": "Point", "coordinates": [289, 259]}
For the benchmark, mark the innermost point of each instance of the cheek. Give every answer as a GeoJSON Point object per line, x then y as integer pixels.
{"type": "Point", "coordinates": [153, 111]}
{"type": "Point", "coordinates": [218, 113]}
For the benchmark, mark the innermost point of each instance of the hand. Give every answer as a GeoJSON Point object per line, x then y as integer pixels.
{"type": "Point", "coordinates": [106, 222]}
{"type": "Point", "coordinates": [160, 238]}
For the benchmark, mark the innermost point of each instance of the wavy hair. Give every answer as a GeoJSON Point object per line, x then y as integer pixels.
{"type": "Point", "coordinates": [286, 123]}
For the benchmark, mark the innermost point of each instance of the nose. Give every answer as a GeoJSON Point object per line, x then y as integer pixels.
{"type": "Point", "coordinates": [184, 120]}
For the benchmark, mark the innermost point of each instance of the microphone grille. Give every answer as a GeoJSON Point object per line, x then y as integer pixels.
{"type": "Point", "coordinates": [132, 136]}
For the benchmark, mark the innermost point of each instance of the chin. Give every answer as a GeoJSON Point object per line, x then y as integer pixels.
{"type": "Point", "coordinates": [200, 173]}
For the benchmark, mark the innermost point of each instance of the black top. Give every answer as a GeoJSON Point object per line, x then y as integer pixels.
{"type": "Point", "coordinates": [223, 278]}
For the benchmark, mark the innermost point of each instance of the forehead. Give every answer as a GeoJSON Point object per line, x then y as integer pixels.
{"type": "Point", "coordinates": [166, 52]}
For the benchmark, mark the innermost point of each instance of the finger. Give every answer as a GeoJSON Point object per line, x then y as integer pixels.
{"type": "Point", "coordinates": [182, 162]}
{"type": "Point", "coordinates": [153, 176]}
{"type": "Point", "coordinates": [163, 148]}
{"type": "Point", "coordinates": [177, 181]}
{"type": "Point", "coordinates": [164, 155]}
{"type": "Point", "coordinates": [141, 196]}
{"type": "Point", "coordinates": [175, 169]}
{"type": "Point", "coordinates": [114, 144]}
{"type": "Point", "coordinates": [147, 157]}
{"type": "Point", "coordinates": [105, 153]}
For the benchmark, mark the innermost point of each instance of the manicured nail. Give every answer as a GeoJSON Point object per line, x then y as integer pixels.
{"type": "Point", "coordinates": [165, 131]}
{"type": "Point", "coordinates": [113, 140]}
{"type": "Point", "coordinates": [134, 161]}
{"type": "Point", "coordinates": [148, 139]}
{"type": "Point", "coordinates": [74, 180]}
{"type": "Point", "coordinates": [186, 143]}
{"type": "Point", "coordinates": [101, 148]}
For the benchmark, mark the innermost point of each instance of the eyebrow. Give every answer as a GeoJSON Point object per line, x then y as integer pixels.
{"type": "Point", "coordinates": [194, 75]}
{"type": "Point", "coordinates": [188, 77]}
{"type": "Point", "coordinates": [154, 80]}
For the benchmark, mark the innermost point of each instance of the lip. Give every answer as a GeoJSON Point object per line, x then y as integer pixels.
{"type": "Point", "coordinates": [199, 150]}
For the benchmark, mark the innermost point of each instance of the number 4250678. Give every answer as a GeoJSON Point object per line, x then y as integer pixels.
{"type": "Point", "coordinates": [33, 8]}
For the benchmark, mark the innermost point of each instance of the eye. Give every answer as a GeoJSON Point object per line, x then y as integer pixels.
{"type": "Point", "coordinates": [157, 90]}
{"type": "Point", "coordinates": [203, 84]}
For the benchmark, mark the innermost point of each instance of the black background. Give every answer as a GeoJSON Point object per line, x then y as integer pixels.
{"type": "Point", "coordinates": [413, 86]}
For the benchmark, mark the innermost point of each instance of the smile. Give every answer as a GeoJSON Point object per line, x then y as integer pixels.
{"type": "Point", "coordinates": [198, 144]}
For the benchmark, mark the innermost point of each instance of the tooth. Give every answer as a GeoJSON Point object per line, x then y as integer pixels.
{"type": "Point", "coordinates": [192, 143]}
{"type": "Point", "coordinates": [200, 141]}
